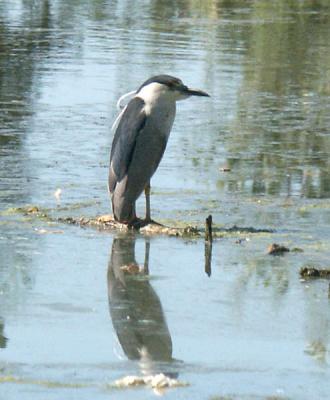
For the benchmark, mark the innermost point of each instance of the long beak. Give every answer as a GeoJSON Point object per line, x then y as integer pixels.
{"type": "Point", "coordinates": [196, 92]}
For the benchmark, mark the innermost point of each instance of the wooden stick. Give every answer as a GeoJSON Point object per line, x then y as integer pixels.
{"type": "Point", "coordinates": [208, 229]}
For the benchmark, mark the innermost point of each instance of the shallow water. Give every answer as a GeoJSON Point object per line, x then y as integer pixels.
{"type": "Point", "coordinates": [250, 330]}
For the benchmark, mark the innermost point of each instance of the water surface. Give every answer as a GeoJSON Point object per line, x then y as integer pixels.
{"type": "Point", "coordinates": [250, 330]}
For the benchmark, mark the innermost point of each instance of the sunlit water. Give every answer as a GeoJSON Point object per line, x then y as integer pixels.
{"type": "Point", "coordinates": [250, 330]}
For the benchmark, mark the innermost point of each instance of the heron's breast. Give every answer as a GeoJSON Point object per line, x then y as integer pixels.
{"type": "Point", "coordinates": [160, 120]}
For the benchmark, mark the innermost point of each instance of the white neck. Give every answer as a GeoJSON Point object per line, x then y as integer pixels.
{"type": "Point", "coordinates": [160, 106]}
{"type": "Point", "coordinates": [156, 93]}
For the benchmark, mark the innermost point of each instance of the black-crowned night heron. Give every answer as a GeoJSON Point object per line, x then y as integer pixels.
{"type": "Point", "coordinates": [141, 132]}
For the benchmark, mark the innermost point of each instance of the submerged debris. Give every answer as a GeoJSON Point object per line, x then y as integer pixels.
{"type": "Point", "coordinates": [316, 349]}
{"type": "Point", "coordinates": [159, 381]}
{"type": "Point", "coordinates": [43, 231]}
{"type": "Point", "coordinates": [277, 249]}
{"type": "Point", "coordinates": [312, 272]}
{"type": "Point", "coordinates": [26, 211]}
{"type": "Point", "coordinates": [297, 250]}
{"type": "Point", "coordinates": [45, 383]}
{"type": "Point", "coordinates": [249, 229]}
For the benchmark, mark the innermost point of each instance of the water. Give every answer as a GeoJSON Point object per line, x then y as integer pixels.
{"type": "Point", "coordinates": [250, 330]}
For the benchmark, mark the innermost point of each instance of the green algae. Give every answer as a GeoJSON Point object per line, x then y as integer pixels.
{"type": "Point", "coordinates": [45, 383]}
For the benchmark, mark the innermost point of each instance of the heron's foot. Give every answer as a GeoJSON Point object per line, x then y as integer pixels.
{"type": "Point", "coordinates": [148, 221]}
{"type": "Point", "coordinates": [138, 223]}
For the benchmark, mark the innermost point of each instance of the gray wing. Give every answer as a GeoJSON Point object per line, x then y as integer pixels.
{"type": "Point", "coordinates": [130, 125]}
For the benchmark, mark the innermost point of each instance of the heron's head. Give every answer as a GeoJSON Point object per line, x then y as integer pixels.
{"type": "Point", "coordinates": [168, 86]}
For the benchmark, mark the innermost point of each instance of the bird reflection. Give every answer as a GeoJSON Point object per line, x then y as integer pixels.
{"type": "Point", "coordinates": [136, 310]}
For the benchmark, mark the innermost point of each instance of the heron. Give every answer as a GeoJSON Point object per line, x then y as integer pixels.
{"type": "Point", "coordinates": [141, 133]}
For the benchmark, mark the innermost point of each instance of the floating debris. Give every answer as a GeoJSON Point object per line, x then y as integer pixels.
{"type": "Point", "coordinates": [152, 229]}
{"type": "Point", "coordinates": [32, 209]}
{"type": "Point", "coordinates": [240, 241]}
{"type": "Point", "coordinates": [58, 194]}
{"type": "Point", "coordinates": [107, 223]}
{"type": "Point", "coordinates": [131, 269]}
{"type": "Point", "coordinates": [159, 381]}
{"type": "Point", "coordinates": [312, 272]}
{"type": "Point", "coordinates": [277, 249]}
{"type": "Point", "coordinates": [104, 219]}
{"type": "Point", "coordinates": [225, 169]}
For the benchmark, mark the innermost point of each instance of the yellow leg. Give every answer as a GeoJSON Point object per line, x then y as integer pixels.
{"type": "Point", "coordinates": [147, 194]}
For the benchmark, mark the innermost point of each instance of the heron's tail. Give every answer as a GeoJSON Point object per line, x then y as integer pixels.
{"type": "Point", "coordinates": [123, 207]}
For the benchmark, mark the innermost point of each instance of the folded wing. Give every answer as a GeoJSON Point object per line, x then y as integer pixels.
{"type": "Point", "coordinates": [129, 126]}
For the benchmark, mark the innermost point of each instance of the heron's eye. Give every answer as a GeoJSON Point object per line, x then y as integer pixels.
{"type": "Point", "coordinates": [175, 85]}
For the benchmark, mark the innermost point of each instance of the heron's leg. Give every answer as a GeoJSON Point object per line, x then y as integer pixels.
{"type": "Point", "coordinates": [147, 194]}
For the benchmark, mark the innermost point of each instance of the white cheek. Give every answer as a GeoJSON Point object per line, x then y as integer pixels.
{"type": "Point", "coordinates": [151, 92]}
